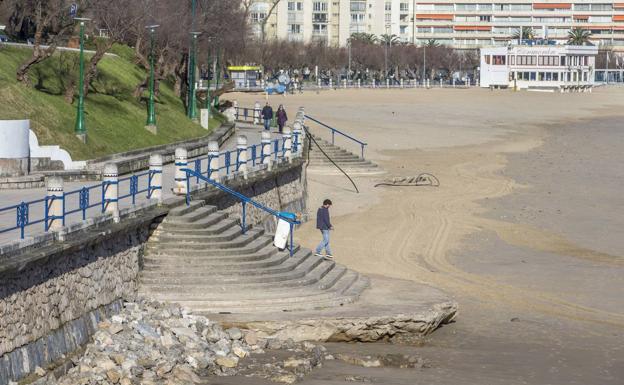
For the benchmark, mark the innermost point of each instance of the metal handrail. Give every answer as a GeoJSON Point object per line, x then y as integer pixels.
{"type": "Point", "coordinates": [335, 130]}
{"type": "Point", "coordinates": [244, 201]}
{"type": "Point", "coordinates": [84, 194]}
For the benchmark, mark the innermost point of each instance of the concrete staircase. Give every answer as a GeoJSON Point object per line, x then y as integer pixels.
{"type": "Point", "coordinates": [348, 161]}
{"type": "Point", "coordinates": [199, 258]}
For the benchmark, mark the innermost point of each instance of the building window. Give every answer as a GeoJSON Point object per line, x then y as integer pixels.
{"type": "Point", "coordinates": [486, 18]}
{"type": "Point", "coordinates": [487, 59]}
{"type": "Point", "coordinates": [499, 60]}
{"type": "Point", "coordinates": [295, 29]}
{"type": "Point", "coordinates": [388, 6]}
{"type": "Point", "coordinates": [319, 6]}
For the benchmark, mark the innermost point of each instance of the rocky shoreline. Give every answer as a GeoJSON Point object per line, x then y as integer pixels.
{"type": "Point", "coordinates": [150, 342]}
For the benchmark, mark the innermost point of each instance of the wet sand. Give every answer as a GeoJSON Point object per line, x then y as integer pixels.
{"type": "Point", "coordinates": [526, 231]}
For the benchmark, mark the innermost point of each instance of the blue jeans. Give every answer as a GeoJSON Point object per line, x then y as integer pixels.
{"type": "Point", "coordinates": [324, 243]}
{"type": "Point", "coordinates": [267, 124]}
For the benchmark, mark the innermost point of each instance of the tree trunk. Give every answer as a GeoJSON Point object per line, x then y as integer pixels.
{"type": "Point", "coordinates": [93, 63]}
{"type": "Point", "coordinates": [70, 90]}
{"type": "Point", "coordinates": [38, 56]}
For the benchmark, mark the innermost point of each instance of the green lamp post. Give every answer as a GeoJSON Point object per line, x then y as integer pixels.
{"type": "Point", "coordinates": [192, 100]}
{"type": "Point", "coordinates": [80, 128]}
{"type": "Point", "coordinates": [217, 77]}
{"type": "Point", "coordinates": [150, 125]}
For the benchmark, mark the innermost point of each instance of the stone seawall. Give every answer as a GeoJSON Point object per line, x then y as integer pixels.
{"type": "Point", "coordinates": [53, 293]}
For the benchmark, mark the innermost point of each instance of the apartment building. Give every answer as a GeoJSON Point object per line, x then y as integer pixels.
{"type": "Point", "coordinates": [458, 23]}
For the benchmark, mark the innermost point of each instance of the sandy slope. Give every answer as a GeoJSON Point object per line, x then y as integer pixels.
{"type": "Point", "coordinates": [464, 137]}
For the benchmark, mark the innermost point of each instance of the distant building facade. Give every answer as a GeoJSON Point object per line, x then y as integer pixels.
{"type": "Point", "coordinates": [457, 23]}
{"type": "Point", "coordinates": [538, 66]}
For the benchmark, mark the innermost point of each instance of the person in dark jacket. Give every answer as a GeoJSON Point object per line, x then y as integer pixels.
{"type": "Point", "coordinates": [282, 118]}
{"type": "Point", "coordinates": [323, 223]}
{"type": "Point", "coordinates": [267, 115]}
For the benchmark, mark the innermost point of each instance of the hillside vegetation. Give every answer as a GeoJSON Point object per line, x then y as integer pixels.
{"type": "Point", "coordinates": [114, 119]}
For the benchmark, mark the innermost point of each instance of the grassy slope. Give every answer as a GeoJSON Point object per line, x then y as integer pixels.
{"type": "Point", "coordinates": [115, 120]}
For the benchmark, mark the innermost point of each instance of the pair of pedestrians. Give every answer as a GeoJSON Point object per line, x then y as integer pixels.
{"type": "Point", "coordinates": [267, 116]}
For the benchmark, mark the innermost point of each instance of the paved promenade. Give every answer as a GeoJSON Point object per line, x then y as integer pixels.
{"type": "Point", "coordinates": [36, 211]}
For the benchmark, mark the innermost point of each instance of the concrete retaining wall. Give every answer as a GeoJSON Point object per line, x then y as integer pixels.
{"type": "Point", "coordinates": [53, 293]}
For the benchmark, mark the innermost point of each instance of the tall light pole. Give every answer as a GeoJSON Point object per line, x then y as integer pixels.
{"type": "Point", "coordinates": [349, 69]}
{"type": "Point", "coordinates": [150, 125]}
{"type": "Point", "coordinates": [191, 109]}
{"type": "Point", "coordinates": [218, 76]}
{"type": "Point", "coordinates": [413, 22]}
{"type": "Point", "coordinates": [209, 69]}
{"type": "Point", "coordinates": [192, 105]}
{"type": "Point", "coordinates": [80, 128]}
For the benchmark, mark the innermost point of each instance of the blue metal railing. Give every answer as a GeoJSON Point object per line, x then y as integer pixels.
{"type": "Point", "coordinates": [84, 200]}
{"type": "Point", "coordinates": [248, 114]}
{"type": "Point", "coordinates": [231, 160]}
{"type": "Point", "coordinates": [335, 131]}
{"type": "Point", "coordinates": [244, 201]}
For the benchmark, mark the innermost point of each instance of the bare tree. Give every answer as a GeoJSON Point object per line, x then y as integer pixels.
{"type": "Point", "coordinates": [52, 20]}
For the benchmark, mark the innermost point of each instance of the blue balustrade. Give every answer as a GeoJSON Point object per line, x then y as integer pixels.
{"type": "Point", "coordinates": [335, 131]}
{"type": "Point", "coordinates": [244, 202]}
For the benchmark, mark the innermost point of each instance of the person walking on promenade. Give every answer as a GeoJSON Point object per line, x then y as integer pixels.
{"type": "Point", "coordinates": [282, 118]}
{"type": "Point", "coordinates": [323, 223]}
{"type": "Point", "coordinates": [267, 115]}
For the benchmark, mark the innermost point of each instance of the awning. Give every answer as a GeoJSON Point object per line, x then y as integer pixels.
{"type": "Point", "coordinates": [434, 16]}
{"type": "Point", "coordinates": [552, 6]}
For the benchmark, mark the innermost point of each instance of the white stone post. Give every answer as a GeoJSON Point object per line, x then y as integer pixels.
{"type": "Point", "coordinates": [401, 83]}
{"type": "Point", "coordinates": [181, 162]}
{"type": "Point", "coordinates": [287, 144]}
{"type": "Point", "coordinates": [318, 83]}
{"type": "Point", "coordinates": [55, 202]}
{"type": "Point", "coordinates": [298, 137]}
{"type": "Point", "coordinates": [331, 83]}
{"type": "Point", "coordinates": [110, 176]}
{"type": "Point", "coordinates": [241, 150]}
{"type": "Point", "coordinates": [387, 83]}
{"type": "Point", "coordinates": [204, 117]}
{"type": "Point", "coordinates": [156, 168]}
{"type": "Point", "coordinates": [256, 113]}
{"type": "Point", "coordinates": [345, 83]}
{"type": "Point", "coordinates": [265, 153]}
{"type": "Point", "coordinates": [359, 83]}
{"type": "Point", "coordinates": [213, 160]}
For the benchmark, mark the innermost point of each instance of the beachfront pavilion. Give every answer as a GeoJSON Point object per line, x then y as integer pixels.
{"type": "Point", "coordinates": [538, 66]}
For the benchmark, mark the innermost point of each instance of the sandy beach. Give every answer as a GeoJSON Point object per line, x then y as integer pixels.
{"type": "Point", "coordinates": [525, 230]}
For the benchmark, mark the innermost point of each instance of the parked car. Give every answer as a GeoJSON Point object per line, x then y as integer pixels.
{"type": "Point", "coordinates": [4, 39]}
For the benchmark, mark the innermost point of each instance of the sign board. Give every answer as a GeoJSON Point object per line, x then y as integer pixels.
{"type": "Point", "coordinates": [73, 10]}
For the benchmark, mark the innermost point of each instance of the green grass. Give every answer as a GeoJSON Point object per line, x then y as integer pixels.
{"type": "Point", "coordinates": [114, 119]}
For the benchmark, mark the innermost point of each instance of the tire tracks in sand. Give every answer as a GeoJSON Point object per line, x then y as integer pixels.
{"type": "Point", "coordinates": [427, 227]}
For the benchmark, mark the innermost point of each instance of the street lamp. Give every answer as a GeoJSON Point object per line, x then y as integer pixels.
{"type": "Point", "coordinates": [80, 128]}
{"type": "Point", "coordinates": [150, 125]}
{"type": "Point", "coordinates": [218, 76]}
{"type": "Point", "coordinates": [192, 107]}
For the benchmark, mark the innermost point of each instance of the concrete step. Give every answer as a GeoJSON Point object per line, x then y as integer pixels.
{"type": "Point", "coordinates": [193, 216]}
{"type": "Point", "coordinates": [185, 209]}
{"type": "Point", "coordinates": [235, 239]}
{"type": "Point", "coordinates": [218, 227]}
{"type": "Point", "coordinates": [251, 243]}
{"type": "Point", "coordinates": [283, 264]}
{"type": "Point", "coordinates": [309, 271]}
{"type": "Point", "coordinates": [338, 280]}
{"type": "Point", "coordinates": [201, 260]}
{"type": "Point", "coordinates": [353, 160]}
{"type": "Point", "coordinates": [275, 262]}
{"type": "Point", "coordinates": [200, 223]}
{"type": "Point", "coordinates": [227, 234]}
{"type": "Point", "coordinates": [272, 307]}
